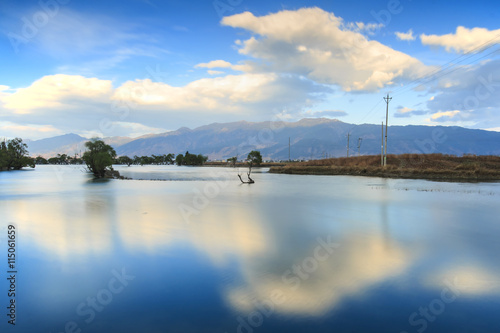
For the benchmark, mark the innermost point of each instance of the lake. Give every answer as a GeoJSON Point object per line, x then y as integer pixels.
{"type": "Point", "coordinates": [196, 251]}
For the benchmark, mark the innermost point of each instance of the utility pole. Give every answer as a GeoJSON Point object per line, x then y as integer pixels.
{"type": "Point", "coordinates": [382, 147]}
{"type": "Point", "coordinates": [387, 100]}
{"type": "Point", "coordinates": [359, 146]}
{"type": "Point", "coordinates": [348, 135]}
{"type": "Point", "coordinates": [289, 149]}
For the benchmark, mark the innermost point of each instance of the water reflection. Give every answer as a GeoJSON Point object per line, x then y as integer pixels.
{"type": "Point", "coordinates": [327, 245]}
{"type": "Point", "coordinates": [64, 228]}
{"type": "Point", "coordinates": [468, 280]}
{"type": "Point", "coordinates": [313, 285]}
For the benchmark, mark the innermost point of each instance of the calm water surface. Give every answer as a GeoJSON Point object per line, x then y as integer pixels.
{"type": "Point", "coordinates": [199, 252]}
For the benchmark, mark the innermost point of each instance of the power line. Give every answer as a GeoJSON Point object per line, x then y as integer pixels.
{"type": "Point", "coordinates": [450, 64]}
{"type": "Point", "coordinates": [366, 115]}
{"type": "Point", "coordinates": [440, 72]}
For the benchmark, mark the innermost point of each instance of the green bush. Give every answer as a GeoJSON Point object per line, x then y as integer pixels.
{"type": "Point", "coordinates": [14, 155]}
{"type": "Point", "coordinates": [99, 157]}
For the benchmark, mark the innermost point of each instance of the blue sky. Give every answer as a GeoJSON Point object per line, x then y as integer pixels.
{"type": "Point", "coordinates": [132, 67]}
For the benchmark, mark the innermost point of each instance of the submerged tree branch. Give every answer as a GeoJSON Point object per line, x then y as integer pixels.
{"type": "Point", "coordinates": [250, 180]}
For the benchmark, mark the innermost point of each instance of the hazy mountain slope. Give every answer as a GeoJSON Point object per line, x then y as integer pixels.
{"type": "Point", "coordinates": [312, 138]}
{"type": "Point", "coordinates": [69, 144]}
{"type": "Point", "coordinates": [309, 138]}
{"type": "Point", "coordinates": [49, 145]}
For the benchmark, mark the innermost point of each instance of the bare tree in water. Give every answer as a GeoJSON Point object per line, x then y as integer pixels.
{"type": "Point", "coordinates": [254, 157]}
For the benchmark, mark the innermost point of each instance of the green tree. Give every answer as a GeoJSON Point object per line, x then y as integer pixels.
{"type": "Point", "coordinates": [169, 159]}
{"type": "Point", "coordinates": [14, 155]}
{"type": "Point", "coordinates": [40, 160]}
{"type": "Point", "coordinates": [254, 158]}
{"type": "Point", "coordinates": [232, 161]}
{"type": "Point", "coordinates": [144, 160]}
{"type": "Point", "coordinates": [3, 156]}
{"type": "Point", "coordinates": [98, 157]}
{"type": "Point", "coordinates": [63, 159]}
{"type": "Point", "coordinates": [179, 160]}
{"type": "Point", "coordinates": [124, 160]}
{"type": "Point", "coordinates": [74, 160]}
{"type": "Point", "coordinates": [189, 159]}
{"type": "Point", "coordinates": [200, 159]}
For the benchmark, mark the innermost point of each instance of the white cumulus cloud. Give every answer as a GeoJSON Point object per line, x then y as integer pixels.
{"type": "Point", "coordinates": [215, 64]}
{"type": "Point", "coordinates": [463, 40]}
{"type": "Point", "coordinates": [72, 103]}
{"type": "Point", "coordinates": [316, 44]}
{"type": "Point", "coordinates": [408, 36]}
{"type": "Point", "coordinates": [56, 91]}
{"type": "Point", "coordinates": [443, 116]}
{"type": "Point", "coordinates": [215, 94]}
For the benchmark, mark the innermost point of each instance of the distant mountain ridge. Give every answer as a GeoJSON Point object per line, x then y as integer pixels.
{"type": "Point", "coordinates": [69, 144]}
{"type": "Point", "coordinates": [309, 138]}
{"type": "Point", "coordinates": [313, 138]}
{"type": "Point", "coordinates": [49, 145]}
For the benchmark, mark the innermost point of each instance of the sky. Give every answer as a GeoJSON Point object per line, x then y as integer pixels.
{"type": "Point", "coordinates": [136, 67]}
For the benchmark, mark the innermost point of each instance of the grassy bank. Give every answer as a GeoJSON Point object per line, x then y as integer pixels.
{"type": "Point", "coordinates": [243, 164]}
{"type": "Point", "coordinates": [430, 166]}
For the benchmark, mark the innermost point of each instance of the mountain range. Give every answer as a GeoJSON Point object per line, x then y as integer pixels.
{"type": "Point", "coordinates": [309, 138]}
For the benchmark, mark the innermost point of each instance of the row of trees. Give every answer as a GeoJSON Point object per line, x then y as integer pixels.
{"type": "Point", "coordinates": [59, 159]}
{"type": "Point", "coordinates": [14, 155]}
{"type": "Point", "coordinates": [64, 159]}
{"type": "Point", "coordinates": [190, 159]}
{"type": "Point", "coordinates": [99, 157]}
{"type": "Point", "coordinates": [164, 159]}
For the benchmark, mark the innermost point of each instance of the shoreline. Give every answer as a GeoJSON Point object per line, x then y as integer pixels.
{"type": "Point", "coordinates": [243, 165]}
{"type": "Point", "coordinates": [434, 167]}
{"type": "Point", "coordinates": [386, 173]}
